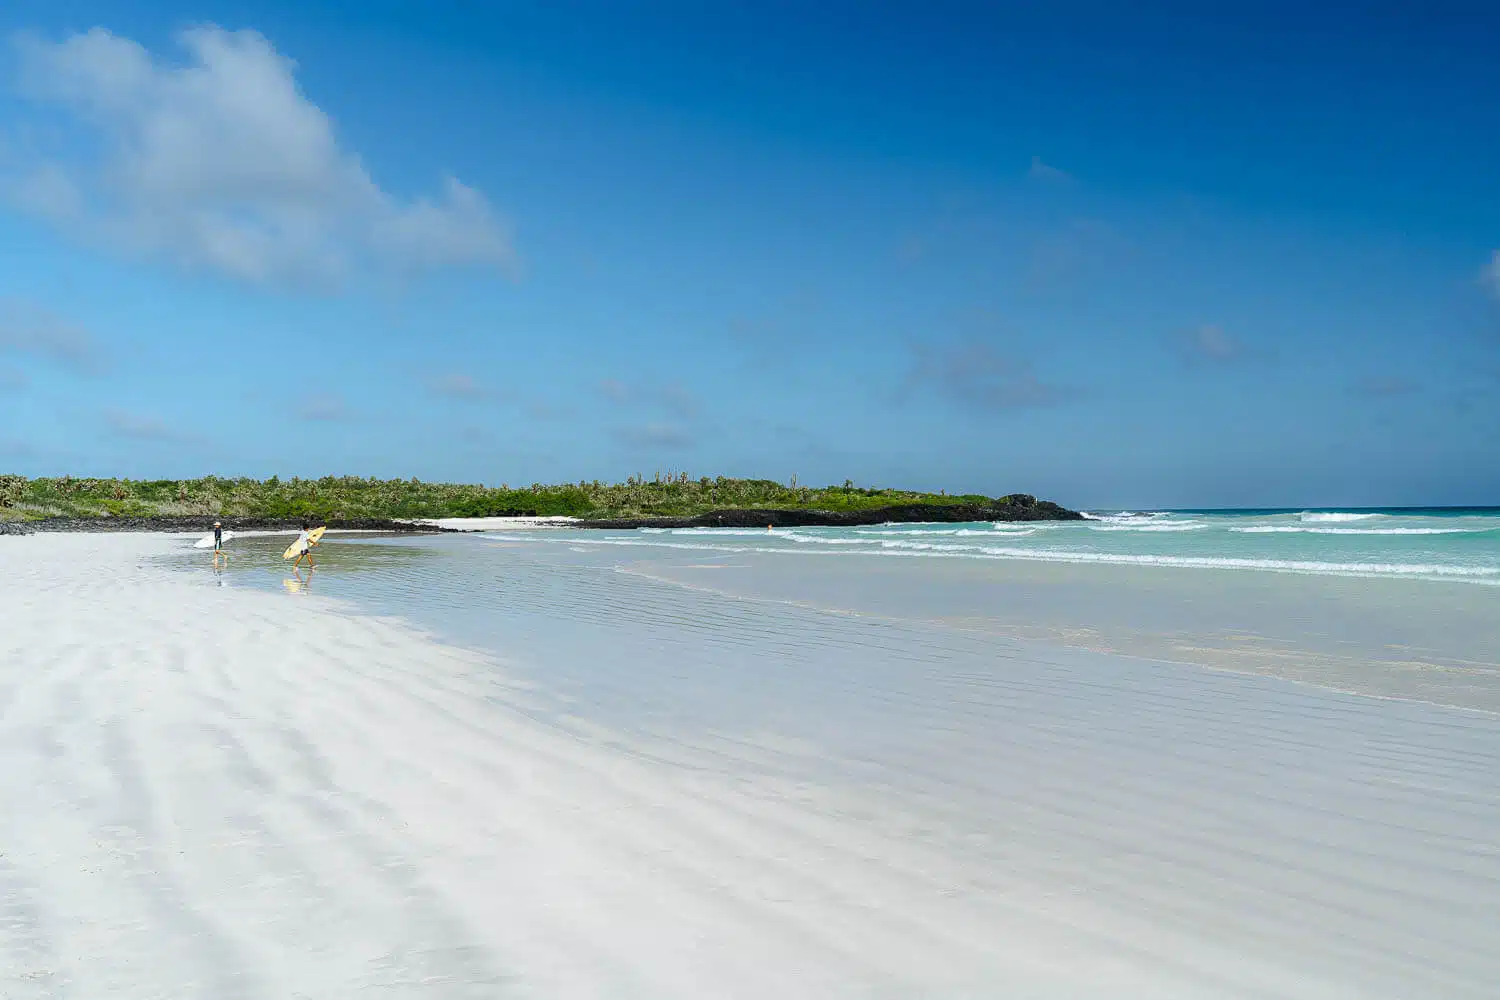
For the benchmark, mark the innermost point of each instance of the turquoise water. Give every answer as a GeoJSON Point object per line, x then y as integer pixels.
{"type": "Point", "coordinates": [1419, 544]}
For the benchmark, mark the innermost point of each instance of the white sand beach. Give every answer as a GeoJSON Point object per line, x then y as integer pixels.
{"type": "Point", "coordinates": [222, 793]}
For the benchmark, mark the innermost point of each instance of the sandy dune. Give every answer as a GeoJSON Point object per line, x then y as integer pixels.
{"type": "Point", "coordinates": [219, 793]}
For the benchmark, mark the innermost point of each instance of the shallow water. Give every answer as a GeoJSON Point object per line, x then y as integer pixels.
{"type": "Point", "coordinates": [566, 599]}
{"type": "Point", "coordinates": [1231, 833]}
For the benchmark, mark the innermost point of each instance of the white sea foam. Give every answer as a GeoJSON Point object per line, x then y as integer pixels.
{"type": "Point", "coordinates": [711, 531]}
{"type": "Point", "coordinates": [797, 536]}
{"type": "Point", "coordinates": [1488, 575]}
{"type": "Point", "coordinates": [1154, 526]}
{"type": "Point", "coordinates": [997, 530]}
{"type": "Point", "coordinates": [1323, 516]}
{"type": "Point", "coordinates": [949, 532]}
{"type": "Point", "coordinates": [1131, 517]}
{"type": "Point", "coordinates": [1269, 529]}
{"type": "Point", "coordinates": [930, 547]}
{"type": "Point", "coordinates": [1478, 573]}
{"type": "Point", "coordinates": [906, 531]}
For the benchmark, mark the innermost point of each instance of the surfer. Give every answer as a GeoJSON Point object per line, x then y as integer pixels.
{"type": "Point", "coordinates": [218, 537]}
{"type": "Point", "coordinates": [304, 547]}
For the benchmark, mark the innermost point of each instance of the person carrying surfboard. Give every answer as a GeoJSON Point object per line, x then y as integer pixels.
{"type": "Point", "coordinates": [218, 537]}
{"type": "Point", "coordinates": [304, 545]}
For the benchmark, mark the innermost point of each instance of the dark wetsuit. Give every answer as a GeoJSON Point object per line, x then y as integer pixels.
{"type": "Point", "coordinates": [218, 538]}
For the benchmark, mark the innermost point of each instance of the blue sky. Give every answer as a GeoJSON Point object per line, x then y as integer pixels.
{"type": "Point", "coordinates": [1171, 257]}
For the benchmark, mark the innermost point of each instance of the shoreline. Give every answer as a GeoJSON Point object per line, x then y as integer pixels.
{"type": "Point", "coordinates": [205, 522]}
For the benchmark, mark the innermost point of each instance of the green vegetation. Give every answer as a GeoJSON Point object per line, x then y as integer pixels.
{"type": "Point", "coordinates": [353, 497]}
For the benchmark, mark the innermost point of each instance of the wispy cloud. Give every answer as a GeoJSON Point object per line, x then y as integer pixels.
{"type": "Point", "coordinates": [654, 436]}
{"type": "Point", "coordinates": [542, 410]}
{"type": "Point", "coordinates": [787, 326]}
{"type": "Point", "coordinates": [1047, 173]}
{"type": "Point", "coordinates": [326, 407]}
{"type": "Point", "coordinates": [30, 329]}
{"type": "Point", "coordinates": [1489, 276]}
{"type": "Point", "coordinates": [614, 390]}
{"type": "Point", "coordinates": [11, 447]}
{"type": "Point", "coordinates": [1078, 255]}
{"type": "Point", "coordinates": [671, 397]}
{"type": "Point", "coordinates": [223, 163]}
{"type": "Point", "coordinates": [678, 400]}
{"type": "Point", "coordinates": [913, 248]}
{"type": "Point", "coordinates": [975, 374]}
{"type": "Point", "coordinates": [142, 427]}
{"type": "Point", "coordinates": [1384, 386]}
{"type": "Point", "coordinates": [12, 379]}
{"type": "Point", "coordinates": [458, 385]}
{"type": "Point", "coordinates": [1211, 345]}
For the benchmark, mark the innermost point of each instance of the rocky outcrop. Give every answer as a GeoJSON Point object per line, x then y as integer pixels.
{"type": "Point", "coordinates": [1019, 507]}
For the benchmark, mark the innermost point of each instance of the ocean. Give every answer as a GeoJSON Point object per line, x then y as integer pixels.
{"type": "Point", "coordinates": [1460, 544]}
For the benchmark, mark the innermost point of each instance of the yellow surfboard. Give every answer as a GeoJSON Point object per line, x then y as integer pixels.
{"type": "Point", "coordinates": [313, 536]}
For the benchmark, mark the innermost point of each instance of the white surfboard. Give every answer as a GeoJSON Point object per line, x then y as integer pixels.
{"type": "Point", "coordinates": [207, 541]}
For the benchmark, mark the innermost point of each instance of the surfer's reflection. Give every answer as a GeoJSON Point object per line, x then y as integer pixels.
{"type": "Point", "coordinates": [297, 583]}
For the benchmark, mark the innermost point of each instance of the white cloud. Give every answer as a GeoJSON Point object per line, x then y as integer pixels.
{"type": "Point", "coordinates": [1385, 386]}
{"type": "Point", "coordinates": [29, 329]}
{"type": "Point", "coordinates": [1490, 276]}
{"type": "Point", "coordinates": [12, 379]}
{"type": "Point", "coordinates": [458, 385]}
{"type": "Point", "coordinates": [1210, 343]}
{"type": "Point", "coordinates": [615, 390]}
{"type": "Point", "coordinates": [671, 397]}
{"type": "Point", "coordinates": [325, 407]}
{"type": "Point", "coordinates": [223, 164]}
{"type": "Point", "coordinates": [142, 427]}
{"type": "Point", "coordinates": [975, 374]}
{"type": "Point", "coordinates": [655, 436]}
{"type": "Point", "coordinates": [1040, 171]}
